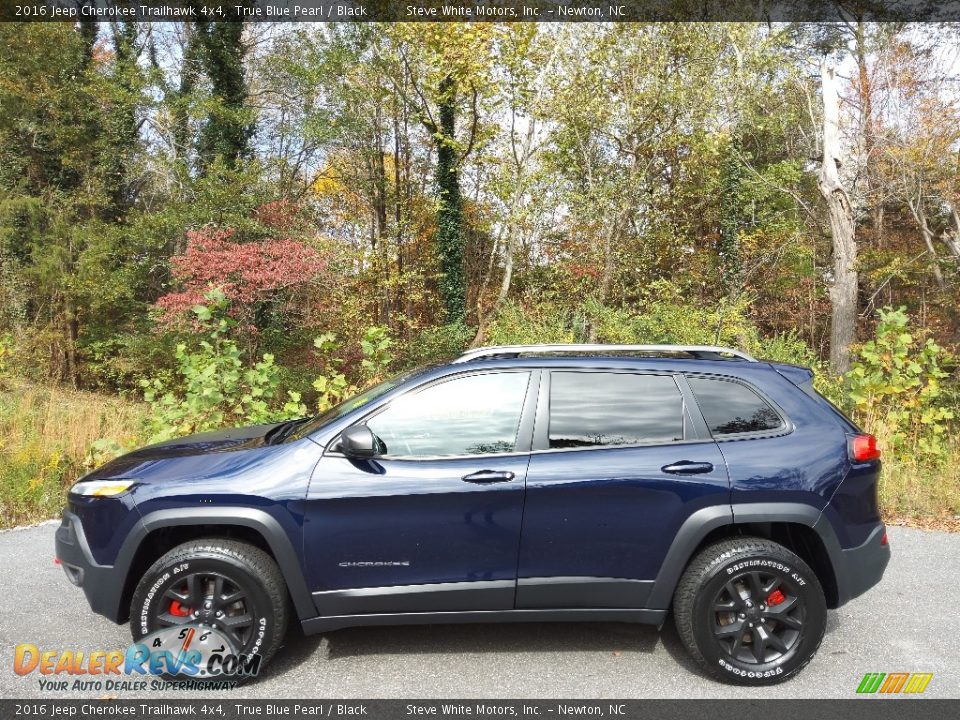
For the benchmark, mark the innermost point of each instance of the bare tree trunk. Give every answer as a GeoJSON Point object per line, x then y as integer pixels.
{"type": "Point", "coordinates": [920, 215]}
{"type": "Point", "coordinates": [952, 239]}
{"type": "Point", "coordinates": [843, 291]}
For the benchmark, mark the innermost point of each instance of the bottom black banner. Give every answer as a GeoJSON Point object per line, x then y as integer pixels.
{"type": "Point", "coordinates": [855, 709]}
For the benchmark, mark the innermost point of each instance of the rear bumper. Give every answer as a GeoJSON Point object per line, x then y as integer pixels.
{"type": "Point", "coordinates": [99, 583]}
{"type": "Point", "coordinates": [860, 568]}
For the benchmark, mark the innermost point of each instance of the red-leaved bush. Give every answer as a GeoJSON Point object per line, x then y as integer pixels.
{"type": "Point", "coordinates": [249, 273]}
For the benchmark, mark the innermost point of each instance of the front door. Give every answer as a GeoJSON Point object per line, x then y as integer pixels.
{"type": "Point", "coordinates": [433, 522]}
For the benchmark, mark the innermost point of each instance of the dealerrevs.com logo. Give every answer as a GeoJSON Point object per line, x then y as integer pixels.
{"type": "Point", "coordinates": [180, 657]}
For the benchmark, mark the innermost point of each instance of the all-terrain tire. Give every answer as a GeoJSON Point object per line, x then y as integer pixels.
{"type": "Point", "coordinates": [718, 602]}
{"type": "Point", "coordinates": [242, 566]}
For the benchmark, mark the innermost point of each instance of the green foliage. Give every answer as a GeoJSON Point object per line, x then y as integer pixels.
{"type": "Point", "coordinates": [376, 346]}
{"type": "Point", "coordinates": [6, 352]}
{"type": "Point", "coordinates": [515, 324]}
{"type": "Point", "coordinates": [211, 385]}
{"type": "Point", "coordinates": [435, 345]}
{"type": "Point", "coordinates": [450, 235]}
{"type": "Point", "coordinates": [332, 386]}
{"type": "Point", "coordinates": [896, 387]}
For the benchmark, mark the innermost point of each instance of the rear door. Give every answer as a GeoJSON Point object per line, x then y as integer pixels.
{"type": "Point", "coordinates": [619, 460]}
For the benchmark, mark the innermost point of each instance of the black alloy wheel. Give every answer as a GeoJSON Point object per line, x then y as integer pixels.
{"type": "Point", "coordinates": [750, 611]}
{"type": "Point", "coordinates": [758, 617]}
{"type": "Point", "coordinates": [232, 588]}
{"type": "Point", "coordinates": [211, 600]}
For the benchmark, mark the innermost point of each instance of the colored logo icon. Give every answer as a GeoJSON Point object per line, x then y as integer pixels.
{"type": "Point", "coordinates": [894, 683]}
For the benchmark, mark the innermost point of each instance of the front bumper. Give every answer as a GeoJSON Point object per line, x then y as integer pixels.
{"type": "Point", "coordinates": [862, 567]}
{"type": "Point", "coordinates": [100, 583]}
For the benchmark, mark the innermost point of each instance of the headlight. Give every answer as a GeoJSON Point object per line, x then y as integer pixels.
{"type": "Point", "coordinates": [101, 488]}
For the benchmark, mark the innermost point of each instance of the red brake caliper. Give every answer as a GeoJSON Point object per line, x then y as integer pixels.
{"type": "Point", "coordinates": [775, 598]}
{"type": "Point", "coordinates": [179, 610]}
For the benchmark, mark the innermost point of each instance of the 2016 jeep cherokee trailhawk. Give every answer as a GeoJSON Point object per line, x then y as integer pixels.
{"type": "Point", "coordinates": [521, 483]}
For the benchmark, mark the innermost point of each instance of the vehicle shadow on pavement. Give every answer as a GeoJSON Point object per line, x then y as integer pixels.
{"type": "Point", "coordinates": [506, 637]}
{"type": "Point", "coordinates": [481, 638]}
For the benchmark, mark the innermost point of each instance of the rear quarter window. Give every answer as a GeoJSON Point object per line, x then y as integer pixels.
{"type": "Point", "coordinates": [731, 408]}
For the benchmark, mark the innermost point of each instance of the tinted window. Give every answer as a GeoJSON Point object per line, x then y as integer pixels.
{"type": "Point", "coordinates": [590, 409]}
{"type": "Point", "coordinates": [729, 407]}
{"type": "Point", "coordinates": [466, 416]}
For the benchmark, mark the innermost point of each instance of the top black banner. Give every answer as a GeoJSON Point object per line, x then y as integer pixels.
{"type": "Point", "coordinates": [481, 10]}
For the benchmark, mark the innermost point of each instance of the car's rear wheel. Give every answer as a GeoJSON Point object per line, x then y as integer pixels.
{"type": "Point", "coordinates": [229, 593]}
{"type": "Point", "coordinates": [750, 611]}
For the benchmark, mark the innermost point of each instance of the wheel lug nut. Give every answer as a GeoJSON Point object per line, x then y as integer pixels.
{"type": "Point", "coordinates": [742, 616]}
{"type": "Point", "coordinates": [219, 613]}
{"type": "Point", "coordinates": [196, 614]}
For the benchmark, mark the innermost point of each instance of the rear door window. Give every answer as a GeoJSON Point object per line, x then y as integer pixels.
{"type": "Point", "coordinates": [595, 409]}
{"type": "Point", "coordinates": [731, 408]}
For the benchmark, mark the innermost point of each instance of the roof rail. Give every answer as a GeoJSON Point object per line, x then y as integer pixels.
{"type": "Point", "coordinates": [700, 352]}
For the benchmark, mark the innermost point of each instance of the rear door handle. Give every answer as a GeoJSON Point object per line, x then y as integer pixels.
{"type": "Point", "coordinates": [688, 467]}
{"type": "Point", "coordinates": [484, 477]}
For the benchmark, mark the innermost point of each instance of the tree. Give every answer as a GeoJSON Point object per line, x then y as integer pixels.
{"type": "Point", "coordinates": [228, 128]}
{"type": "Point", "coordinates": [843, 291]}
{"type": "Point", "coordinates": [444, 67]}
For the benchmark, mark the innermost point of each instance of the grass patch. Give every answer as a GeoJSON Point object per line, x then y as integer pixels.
{"type": "Point", "coordinates": [921, 494]}
{"type": "Point", "coordinates": [45, 435]}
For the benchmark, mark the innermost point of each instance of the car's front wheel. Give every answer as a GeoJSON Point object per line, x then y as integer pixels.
{"type": "Point", "coordinates": [750, 611]}
{"type": "Point", "coordinates": [223, 600]}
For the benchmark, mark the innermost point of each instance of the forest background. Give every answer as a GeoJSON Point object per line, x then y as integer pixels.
{"type": "Point", "coordinates": [207, 224]}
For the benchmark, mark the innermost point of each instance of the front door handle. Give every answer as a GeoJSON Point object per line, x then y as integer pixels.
{"type": "Point", "coordinates": [484, 477]}
{"type": "Point", "coordinates": [688, 467]}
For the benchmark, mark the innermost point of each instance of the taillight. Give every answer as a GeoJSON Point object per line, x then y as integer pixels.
{"type": "Point", "coordinates": [864, 448]}
{"type": "Point", "coordinates": [884, 540]}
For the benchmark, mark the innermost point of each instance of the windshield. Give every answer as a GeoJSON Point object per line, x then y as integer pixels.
{"type": "Point", "coordinates": [357, 401]}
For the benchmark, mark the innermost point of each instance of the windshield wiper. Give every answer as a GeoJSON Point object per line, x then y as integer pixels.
{"type": "Point", "coordinates": [282, 431]}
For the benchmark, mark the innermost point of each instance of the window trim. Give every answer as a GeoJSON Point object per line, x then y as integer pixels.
{"type": "Point", "coordinates": [524, 427]}
{"type": "Point", "coordinates": [786, 424]}
{"type": "Point", "coordinates": [541, 440]}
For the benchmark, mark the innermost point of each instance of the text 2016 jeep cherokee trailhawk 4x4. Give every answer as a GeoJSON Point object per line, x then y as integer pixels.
{"type": "Point", "coordinates": [522, 483]}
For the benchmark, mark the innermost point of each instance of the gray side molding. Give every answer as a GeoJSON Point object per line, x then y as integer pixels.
{"type": "Point", "coordinates": [696, 527]}
{"type": "Point", "coordinates": [258, 520]}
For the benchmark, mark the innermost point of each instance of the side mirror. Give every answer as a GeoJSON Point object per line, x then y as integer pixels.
{"type": "Point", "coordinates": [358, 441]}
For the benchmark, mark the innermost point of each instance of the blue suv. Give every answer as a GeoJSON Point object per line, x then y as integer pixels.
{"type": "Point", "coordinates": [519, 483]}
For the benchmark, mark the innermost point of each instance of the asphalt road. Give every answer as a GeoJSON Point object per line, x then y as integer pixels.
{"type": "Point", "coordinates": [908, 623]}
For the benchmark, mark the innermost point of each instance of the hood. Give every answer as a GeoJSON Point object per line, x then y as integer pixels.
{"type": "Point", "coordinates": [214, 441]}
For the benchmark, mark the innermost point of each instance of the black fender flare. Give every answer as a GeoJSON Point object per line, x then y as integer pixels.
{"type": "Point", "coordinates": [696, 527]}
{"type": "Point", "coordinates": [266, 525]}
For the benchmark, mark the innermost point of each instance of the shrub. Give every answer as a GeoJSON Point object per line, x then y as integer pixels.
{"type": "Point", "coordinates": [515, 324]}
{"type": "Point", "coordinates": [896, 387]}
{"type": "Point", "coordinates": [211, 386]}
{"type": "Point", "coordinates": [440, 344]}
{"type": "Point", "coordinates": [333, 387]}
